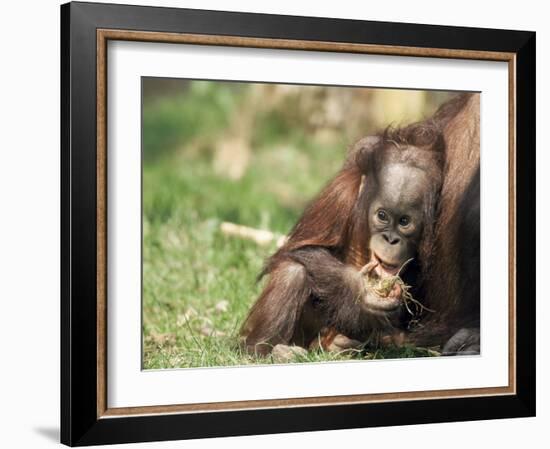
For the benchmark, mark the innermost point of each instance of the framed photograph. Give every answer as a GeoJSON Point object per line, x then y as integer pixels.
{"type": "Point", "coordinates": [281, 224]}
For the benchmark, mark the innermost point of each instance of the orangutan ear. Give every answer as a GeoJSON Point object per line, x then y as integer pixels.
{"type": "Point", "coordinates": [362, 156]}
{"type": "Point", "coordinates": [362, 152]}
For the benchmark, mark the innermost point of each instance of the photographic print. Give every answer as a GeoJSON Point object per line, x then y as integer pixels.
{"type": "Point", "coordinates": [297, 208]}
{"type": "Point", "coordinates": [301, 223]}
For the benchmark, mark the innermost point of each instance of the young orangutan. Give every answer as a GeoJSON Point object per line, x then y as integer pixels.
{"type": "Point", "coordinates": [377, 222]}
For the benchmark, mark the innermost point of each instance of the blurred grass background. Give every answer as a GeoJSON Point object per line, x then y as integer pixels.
{"type": "Point", "coordinates": [250, 154]}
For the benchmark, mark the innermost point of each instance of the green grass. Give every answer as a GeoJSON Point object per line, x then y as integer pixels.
{"type": "Point", "coordinates": [189, 266]}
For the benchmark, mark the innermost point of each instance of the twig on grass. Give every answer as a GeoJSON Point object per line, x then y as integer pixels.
{"type": "Point", "coordinates": [259, 236]}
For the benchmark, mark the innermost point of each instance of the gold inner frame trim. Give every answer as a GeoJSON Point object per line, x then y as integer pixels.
{"type": "Point", "coordinates": [103, 36]}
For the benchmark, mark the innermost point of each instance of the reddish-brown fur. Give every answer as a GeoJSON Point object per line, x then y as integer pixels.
{"type": "Point", "coordinates": [330, 242]}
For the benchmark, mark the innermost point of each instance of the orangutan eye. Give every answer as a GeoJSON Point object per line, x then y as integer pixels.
{"type": "Point", "coordinates": [404, 221]}
{"type": "Point", "coordinates": [382, 215]}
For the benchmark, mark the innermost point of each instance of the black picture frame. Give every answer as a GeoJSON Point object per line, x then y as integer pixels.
{"type": "Point", "coordinates": [80, 420]}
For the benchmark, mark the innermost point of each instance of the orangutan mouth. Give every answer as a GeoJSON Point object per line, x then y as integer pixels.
{"type": "Point", "coordinates": [384, 269]}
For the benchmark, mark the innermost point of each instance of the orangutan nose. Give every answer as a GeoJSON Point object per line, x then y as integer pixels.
{"type": "Point", "coordinates": [392, 239]}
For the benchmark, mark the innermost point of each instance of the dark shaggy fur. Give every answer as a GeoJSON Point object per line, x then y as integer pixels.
{"type": "Point", "coordinates": [452, 280]}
